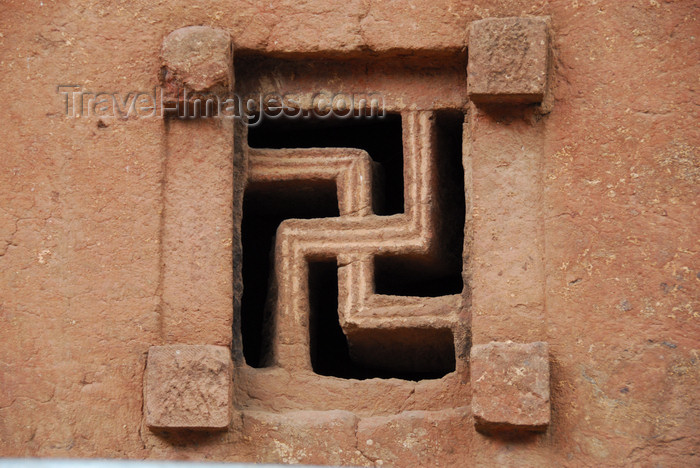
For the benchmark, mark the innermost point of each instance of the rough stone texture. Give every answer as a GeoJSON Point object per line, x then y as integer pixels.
{"type": "Point", "coordinates": [196, 60]}
{"type": "Point", "coordinates": [510, 386]}
{"type": "Point", "coordinates": [505, 153]}
{"type": "Point", "coordinates": [416, 438]}
{"type": "Point", "coordinates": [197, 283]}
{"type": "Point", "coordinates": [408, 82]}
{"type": "Point", "coordinates": [303, 437]}
{"type": "Point", "coordinates": [81, 204]}
{"type": "Point", "coordinates": [187, 387]}
{"type": "Point", "coordinates": [508, 60]}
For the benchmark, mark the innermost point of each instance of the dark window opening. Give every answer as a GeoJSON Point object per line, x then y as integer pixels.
{"type": "Point", "coordinates": [441, 274]}
{"type": "Point", "coordinates": [265, 206]}
{"type": "Point", "coordinates": [404, 276]}
{"type": "Point", "coordinates": [409, 354]}
{"type": "Point", "coordinates": [380, 136]}
{"type": "Point", "coordinates": [412, 354]}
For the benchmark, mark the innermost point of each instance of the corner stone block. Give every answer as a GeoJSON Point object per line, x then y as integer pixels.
{"type": "Point", "coordinates": [188, 387]}
{"type": "Point", "coordinates": [510, 385]}
{"type": "Point", "coordinates": [198, 59]}
{"type": "Point", "coordinates": [507, 60]}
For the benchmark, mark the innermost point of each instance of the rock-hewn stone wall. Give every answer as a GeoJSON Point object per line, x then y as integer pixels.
{"type": "Point", "coordinates": [608, 231]}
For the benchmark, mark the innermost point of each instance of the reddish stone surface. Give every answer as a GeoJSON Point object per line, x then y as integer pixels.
{"type": "Point", "coordinates": [187, 387]}
{"type": "Point", "coordinates": [197, 287]}
{"type": "Point", "coordinates": [416, 438]}
{"type": "Point", "coordinates": [303, 437]}
{"type": "Point", "coordinates": [197, 59]}
{"type": "Point", "coordinates": [81, 232]}
{"type": "Point", "coordinates": [510, 386]}
{"type": "Point", "coordinates": [508, 60]}
{"type": "Point", "coordinates": [506, 151]}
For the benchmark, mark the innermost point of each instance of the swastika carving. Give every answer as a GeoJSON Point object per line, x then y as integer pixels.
{"type": "Point", "coordinates": [406, 333]}
{"type": "Point", "coordinates": [385, 241]}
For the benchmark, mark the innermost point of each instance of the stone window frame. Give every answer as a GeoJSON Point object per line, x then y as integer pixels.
{"type": "Point", "coordinates": [508, 69]}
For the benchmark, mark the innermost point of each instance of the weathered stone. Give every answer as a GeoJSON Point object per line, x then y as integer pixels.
{"type": "Point", "coordinates": [510, 385]}
{"type": "Point", "coordinates": [198, 233]}
{"type": "Point", "coordinates": [309, 437]}
{"type": "Point", "coordinates": [416, 438]}
{"type": "Point", "coordinates": [85, 239]}
{"type": "Point", "coordinates": [196, 60]}
{"type": "Point", "coordinates": [188, 387]}
{"type": "Point", "coordinates": [507, 60]}
{"type": "Point", "coordinates": [508, 300]}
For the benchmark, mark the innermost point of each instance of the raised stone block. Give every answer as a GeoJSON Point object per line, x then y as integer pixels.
{"type": "Point", "coordinates": [507, 60]}
{"type": "Point", "coordinates": [196, 61]}
{"type": "Point", "coordinates": [188, 387]}
{"type": "Point", "coordinates": [510, 385]}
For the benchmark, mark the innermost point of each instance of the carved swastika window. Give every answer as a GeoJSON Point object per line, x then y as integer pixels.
{"type": "Point", "coordinates": [352, 244]}
{"type": "Point", "coordinates": [359, 256]}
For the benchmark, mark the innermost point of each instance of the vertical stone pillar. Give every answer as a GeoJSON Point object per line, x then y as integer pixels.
{"type": "Point", "coordinates": [188, 379]}
{"type": "Point", "coordinates": [507, 70]}
{"type": "Point", "coordinates": [508, 248]}
{"type": "Point", "coordinates": [197, 233]}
